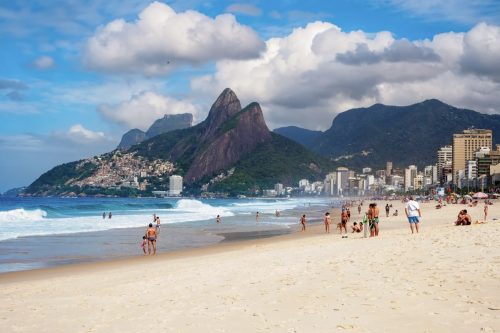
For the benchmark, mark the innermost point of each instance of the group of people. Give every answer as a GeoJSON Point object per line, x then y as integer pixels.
{"type": "Point", "coordinates": [104, 215]}
{"type": "Point", "coordinates": [371, 218]}
{"type": "Point", "coordinates": [151, 235]}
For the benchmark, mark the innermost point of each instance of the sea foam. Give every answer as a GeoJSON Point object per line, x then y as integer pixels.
{"type": "Point", "coordinates": [22, 215]}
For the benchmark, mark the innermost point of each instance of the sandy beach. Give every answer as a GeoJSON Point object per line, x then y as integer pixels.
{"type": "Point", "coordinates": [445, 279]}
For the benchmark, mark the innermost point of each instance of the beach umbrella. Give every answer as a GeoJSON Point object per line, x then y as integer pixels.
{"type": "Point", "coordinates": [480, 195]}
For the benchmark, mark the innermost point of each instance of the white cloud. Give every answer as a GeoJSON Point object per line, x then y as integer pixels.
{"type": "Point", "coordinates": [308, 76]}
{"type": "Point", "coordinates": [245, 9]}
{"type": "Point", "coordinates": [78, 135]}
{"type": "Point", "coordinates": [143, 109]}
{"type": "Point", "coordinates": [161, 40]}
{"type": "Point", "coordinates": [81, 134]}
{"type": "Point", "coordinates": [44, 62]}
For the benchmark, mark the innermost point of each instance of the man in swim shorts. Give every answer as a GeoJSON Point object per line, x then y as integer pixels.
{"type": "Point", "coordinates": [151, 236]}
{"type": "Point", "coordinates": [413, 214]}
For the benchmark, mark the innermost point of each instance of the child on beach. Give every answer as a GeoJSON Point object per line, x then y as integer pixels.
{"type": "Point", "coordinates": [143, 244]}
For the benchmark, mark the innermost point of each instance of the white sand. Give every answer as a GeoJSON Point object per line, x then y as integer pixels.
{"type": "Point", "coordinates": [446, 279]}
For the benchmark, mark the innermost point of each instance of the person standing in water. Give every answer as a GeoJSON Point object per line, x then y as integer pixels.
{"type": "Point", "coordinates": [217, 220]}
{"type": "Point", "coordinates": [110, 215]}
{"type": "Point", "coordinates": [103, 215]}
{"type": "Point", "coordinates": [257, 217]}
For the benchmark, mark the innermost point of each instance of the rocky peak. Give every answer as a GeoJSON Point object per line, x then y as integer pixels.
{"type": "Point", "coordinates": [168, 123]}
{"type": "Point", "coordinates": [239, 135]}
{"type": "Point", "coordinates": [226, 106]}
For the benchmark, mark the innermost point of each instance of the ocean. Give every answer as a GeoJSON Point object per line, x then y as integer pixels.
{"type": "Point", "coordinates": [46, 232]}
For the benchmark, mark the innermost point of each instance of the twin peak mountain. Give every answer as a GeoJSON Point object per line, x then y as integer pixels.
{"type": "Point", "coordinates": [223, 138]}
{"type": "Point", "coordinates": [232, 136]}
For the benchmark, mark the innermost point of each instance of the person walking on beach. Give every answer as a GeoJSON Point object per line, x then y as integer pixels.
{"type": "Point", "coordinates": [412, 210]}
{"type": "Point", "coordinates": [373, 218]}
{"type": "Point", "coordinates": [217, 219]}
{"type": "Point", "coordinates": [303, 222]}
{"type": "Point", "coordinates": [359, 209]}
{"type": "Point", "coordinates": [151, 236]}
{"type": "Point", "coordinates": [344, 217]}
{"type": "Point", "coordinates": [387, 210]}
{"type": "Point", "coordinates": [485, 210]}
{"type": "Point", "coordinates": [327, 222]}
{"type": "Point", "coordinates": [158, 224]}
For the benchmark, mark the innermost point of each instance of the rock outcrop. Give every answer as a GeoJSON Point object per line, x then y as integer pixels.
{"type": "Point", "coordinates": [169, 122]}
{"type": "Point", "coordinates": [132, 137]}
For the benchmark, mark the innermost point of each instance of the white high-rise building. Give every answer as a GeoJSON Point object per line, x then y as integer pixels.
{"type": "Point", "coordinates": [175, 185]}
{"type": "Point", "coordinates": [330, 182]}
{"type": "Point", "coordinates": [410, 175]}
{"type": "Point", "coordinates": [445, 159]}
{"type": "Point", "coordinates": [303, 183]}
{"type": "Point", "coordinates": [471, 169]}
{"type": "Point", "coordinates": [280, 190]}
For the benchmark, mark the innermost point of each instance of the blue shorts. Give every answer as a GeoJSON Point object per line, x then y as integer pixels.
{"type": "Point", "coordinates": [413, 219]}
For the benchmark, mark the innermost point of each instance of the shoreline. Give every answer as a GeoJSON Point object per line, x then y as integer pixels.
{"type": "Point", "coordinates": [51, 251]}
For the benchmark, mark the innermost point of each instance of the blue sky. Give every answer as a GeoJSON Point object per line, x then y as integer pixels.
{"type": "Point", "coordinates": [75, 75]}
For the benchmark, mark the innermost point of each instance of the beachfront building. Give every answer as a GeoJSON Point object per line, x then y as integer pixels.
{"type": "Point", "coordinates": [471, 171]}
{"type": "Point", "coordinates": [397, 181]}
{"type": "Point", "coordinates": [330, 183]}
{"type": "Point", "coordinates": [418, 181]}
{"type": "Point", "coordinates": [465, 144]}
{"type": "Point", "coordinates": [388, 168]}
{"type": "Point", "coordinates": [175, 188]}
{"type": "Point", "coordinates": [410, 175]}
{"type": "Point", "coordinates": [342, 180]}
{"type": "Point", "coordinates": [495, 174]}
{"type": "Point", "coordinates": [485, 161]}
{"type": "Point", "coordinates": [444, 161]}
{"type": "Point", "coordinates": [303, 183]}
{"type": "Point", "coordinates": [279, 188]}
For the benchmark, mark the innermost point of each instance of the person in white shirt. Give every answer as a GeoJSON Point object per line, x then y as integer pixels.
{"type": "Point", "coordinates": [413, 213]}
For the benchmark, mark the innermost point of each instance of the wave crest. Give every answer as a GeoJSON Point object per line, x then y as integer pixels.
{"type": "Point", "coordinates": [20, 214]}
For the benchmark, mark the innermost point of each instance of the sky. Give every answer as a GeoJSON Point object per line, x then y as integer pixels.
{"type": "Point", "coordinates": [76, 75]}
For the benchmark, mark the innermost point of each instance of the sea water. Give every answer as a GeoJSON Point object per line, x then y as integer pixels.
{"type": "Point", "coordinates": [42, 232]}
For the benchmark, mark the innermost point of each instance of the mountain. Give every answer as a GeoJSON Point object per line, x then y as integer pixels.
{"type": "Point", "coordinates": [13, 192]}
{"type": "Point", "coordinates": [231, 151]}
{"type": "Point", "coordinates": [402, 134]}
{"type": "Point", "coordinates": [234, 137]}
{"type": "Point", "coordinates": [132, 137]}
{"type": "Point", "coordinates": [169, 122]}
{"type": "Point", "coordinates": [301, 135]}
